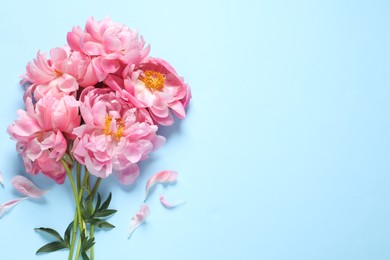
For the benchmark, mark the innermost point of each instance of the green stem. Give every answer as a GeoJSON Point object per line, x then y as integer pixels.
{"type": "Point", "coordinates": [78, 166]}
{"type": "Point", "coordinates": [77, 198]}
{"type": "Point", "coordinates": [96, 186]}
{"type": "Point", "coordinates": [90, 208]}
{"type": "Point", "coordinates": [74, 232]}
{"type": "Point", "coordinates": [73, 237]}
{"type": "Point", "coordinates": [75, 193]}
{"type": "Point", "coordinates": [92, 234]}
{"type": "Point", "coordinates": [78, 249]}
{"type": "Point", "coordinates": [92, 230]}
{"type": "Point", "coordinates": [82, 187]}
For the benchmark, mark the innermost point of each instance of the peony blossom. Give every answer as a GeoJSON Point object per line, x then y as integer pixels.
{"type": "Point", "coordinates": [157, 86]}
{"type": "Point", "coordinates": [115, 136]}
{"type": "Point", "coordinates": [60, 75]}
{"type": "Point", "coordinates": [111, 45]}
{"type": "Point", "coordinates": [41, 132]}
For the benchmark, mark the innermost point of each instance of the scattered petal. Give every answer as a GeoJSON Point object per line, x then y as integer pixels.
{"type": "Point", "coordinates": [9, 204]}
{"type": "Point", "coordinates": [168, 205]}
{"type": "Point", "coordinates": [139, 218]}
{"type": "Point", "coordinates": [1, 179]}
{"type": "Point", "coordinates": [160, 177]}
{"type": "Point", "coordinates": [25, 186]}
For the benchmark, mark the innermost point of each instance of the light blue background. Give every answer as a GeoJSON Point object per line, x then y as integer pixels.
{"type": "Point", "coordinates": [285, 151]}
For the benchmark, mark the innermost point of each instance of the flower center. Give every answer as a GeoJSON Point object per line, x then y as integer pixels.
{"type": "Point", "coordinates": [117, 133]}
{"type": "Point", "coordinates": [120, 126]}
{"type": "Point", "coordinates": [153, 80]}
{"type": "Point", "coordinates": [57, 73]}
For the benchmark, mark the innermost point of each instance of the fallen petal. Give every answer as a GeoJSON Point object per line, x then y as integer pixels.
{"type": "Point", "coordinates": [1, 179]}
{"type": "Point", "coordinates": [25, 186]}
{"type": "Point", "coordinates": [168, 205]}
{"type": "Point", "coordinates": [9, 205]}
{"type": "Point", "coordinates": [139, 218]}
{"type": "Point", "coordinates": [160, 177]}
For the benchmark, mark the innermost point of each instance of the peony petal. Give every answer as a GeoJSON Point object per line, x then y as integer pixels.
{"type": "Point", "coordinates": [168, 205]}
{"type": "Point", "coordinates": [25, 186]}
{"type": "Point", "coordinates": [1, 179]}
{"type": "Point", "coordinates": [139, 218]}
{"type": "Point", "coordinates": [128, 175]}
{"type": "Point", "coordinates": [9, 204]}
{"type": "Point", "coordinates": [160, 177]}
{"type": "Point", "coordinates": [178, 109]}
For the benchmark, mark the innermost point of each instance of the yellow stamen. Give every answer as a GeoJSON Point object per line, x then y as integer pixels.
{"type": "Point", "coordinates": [120, 127]}
{"type": "Point", "coordinates": [153, 80]}
{"type": "Point", "coordinates": [57, 73]}
{"type": "Point", "coordinates": [107, 125]}
{"type": "Point", "coordinates": [119, 131]}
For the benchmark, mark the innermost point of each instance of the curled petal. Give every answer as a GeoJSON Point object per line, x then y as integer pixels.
{"type": "Point", "coordinates": [9, 204]}
{"type": "Point", "coordinates": [178, 108]}
{"type": "Point", "coordinates": [1, 179]}
{"type": "Point", "coordinates": [168, 205]}
{"type": "Point", "coordinates": [139, 218]}
{"type": "Point", "coordinates": [160, 177]}
{"type": "Point", "coordinates": [25, 186]}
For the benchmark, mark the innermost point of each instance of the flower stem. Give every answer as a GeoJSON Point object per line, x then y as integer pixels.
{"type": "Point", "coordinates": [80, 195]}
{"type": "Point", "coordinates": [92, 230]}
{"type": "Point", "coordinates": [78, 166]}
{"type": "Point", "coordinates": [92, 234]}
{"type": "Point", "coordinates": [96, 186]}
{"type": "Point", "coordinates": [78, 249]}
{"type": "Point", "coordinates": [73, 237]}
{"type": "Point", "coordinates": [77, 197]}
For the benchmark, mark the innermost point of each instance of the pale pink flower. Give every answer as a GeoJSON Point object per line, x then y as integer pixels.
{"type": "Point", "coordinates": [110, 45]}
{"type": "Point", "coordinates": [157, 86]}
{"type": "Point", "coordinates": [115, 136]}
{"type": "Point", "coordinates": [41, 132]}
{"type": "Point", "coordinates": [59, 75]}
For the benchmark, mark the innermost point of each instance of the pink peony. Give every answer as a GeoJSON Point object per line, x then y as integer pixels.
{"type": "Point", "coordinates": [60, 75]}
{"type": "Point", "coordinates": [158, 87]}
{"type": "Point", "coordinates": [41, 131]}
{"type": "Point", "coordinates": [115, 136]}
{"type": "Point", "coordinates": [110, 45]}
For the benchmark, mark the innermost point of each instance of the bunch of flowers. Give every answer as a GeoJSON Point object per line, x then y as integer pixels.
{"type": "Point", "coordinates": [93, 108]}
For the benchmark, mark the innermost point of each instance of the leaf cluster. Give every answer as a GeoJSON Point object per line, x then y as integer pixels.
{"type": "Point", "coordinates": [97, 215]}
{"type": "Point", "coordinates": [92, 215]}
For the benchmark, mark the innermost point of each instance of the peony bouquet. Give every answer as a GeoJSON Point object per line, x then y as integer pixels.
{"type": "Point", "coordinates": [93, 109]}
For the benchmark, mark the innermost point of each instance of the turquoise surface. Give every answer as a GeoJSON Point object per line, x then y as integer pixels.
{"type": "Point", "coordinates": [285, 150]}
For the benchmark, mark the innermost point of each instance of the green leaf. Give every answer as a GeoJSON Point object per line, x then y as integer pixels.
{"type": "Point", "coordinates": [51, 247]}
{"type": "Point", "coordinates": [84, 256]}
{"type": "Point", "coordinates": [88, 199]}
{"type": "Point", "coordinates": [104, 224]}
{"type": "Point", "coordinates": [51, 232]}
{"type": "Point", "coordinates": [87, 244]}
{"type": "Point", "coordinates": [104, 213]}
{"type": "Point", "coordinates": [83, 211]}
{"type": "Point", "coordinates": [106, 202]}
{"type": "Point", "coordinates": [98, 201]}
{"type": "Point", "coordinates": [67, 233]}
{"type": "Point", "coordinates": [92, 221]}
{"type": "Point", "coordinates": [86, 213]}
{"type": "Point", "coordinates": [83, 236]}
